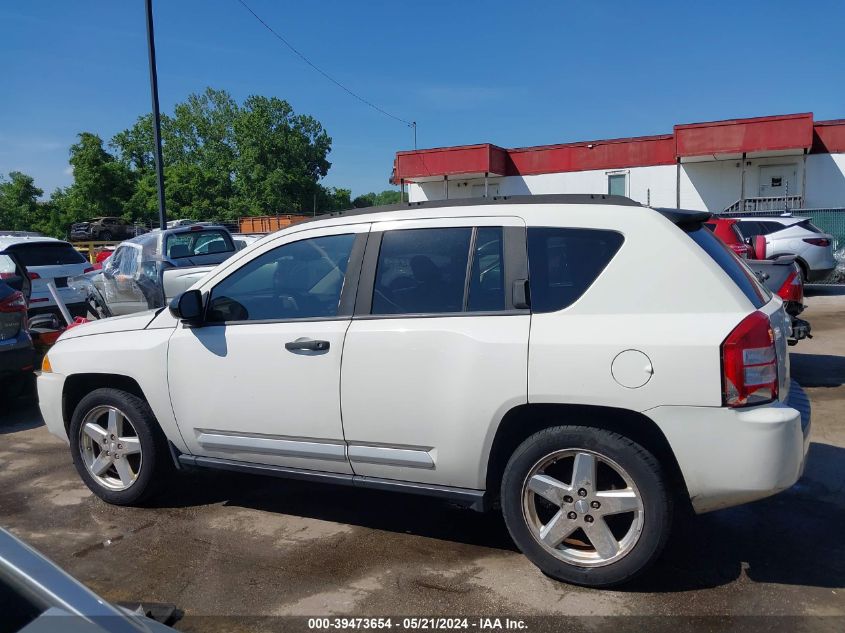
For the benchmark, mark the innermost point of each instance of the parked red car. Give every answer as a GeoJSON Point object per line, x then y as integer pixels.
{"type": "Point", "coordinates": [727, 230]}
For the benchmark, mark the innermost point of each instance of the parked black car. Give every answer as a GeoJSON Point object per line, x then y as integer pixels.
{"type": "Point", "coordinates": [105, 229]}
{"type": "Point", "coordinates": [17, 355]}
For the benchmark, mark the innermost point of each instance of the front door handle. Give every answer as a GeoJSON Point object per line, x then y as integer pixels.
{"type": "Point", "coordinates": [307, 344]}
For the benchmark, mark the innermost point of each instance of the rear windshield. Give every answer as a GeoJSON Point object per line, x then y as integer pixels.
{"type": "Point", "coordinates": [194, 243]}
{"type": "Point", "coordinates": [806, 224]}
{"type": "Point", "coordinates": [732, 265]}
{"type": "Point", "coordinates": [47, 254]}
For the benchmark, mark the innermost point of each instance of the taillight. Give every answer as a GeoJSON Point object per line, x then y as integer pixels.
{"type": "Point", "coordinates": [15, 302]}
{"type": "Point", "coordinates": [749, 363]}
{"type": "Point", "coordinates": [817, 241]}
{"type": "Point", "coordinates": [89, 269]}
{"type": "Point", "coordinates": [34, 276]}
{"type": "Point", "coordinates": [793, 288]}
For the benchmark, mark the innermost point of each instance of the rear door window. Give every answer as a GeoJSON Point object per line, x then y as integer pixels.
{"type": "Point", "coordinates": [422, 271]}
{"type": "Point", "coordinates": [486, 283]}
{"type": "Point", "coordinates": [564, 262]}
{"type": "Point", "coordinates": [47, 254]}
{"type": "Point", "coordinates": [732, 265]}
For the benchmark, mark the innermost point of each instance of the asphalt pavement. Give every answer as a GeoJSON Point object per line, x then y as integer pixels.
{"type": "Point", "coordinates": [237, 551]}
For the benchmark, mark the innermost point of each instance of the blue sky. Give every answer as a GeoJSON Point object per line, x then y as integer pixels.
{"type": "Point", "coordinates": [506, 72]}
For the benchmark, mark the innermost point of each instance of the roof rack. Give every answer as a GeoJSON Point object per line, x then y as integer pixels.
{"type": "Point", "coordinates": [551, 198]}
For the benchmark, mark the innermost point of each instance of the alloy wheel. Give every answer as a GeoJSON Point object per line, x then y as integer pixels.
{"type": "Point", "coordinates": [110, 447]}
{"type": "Point", "coordinates": [582, 507]}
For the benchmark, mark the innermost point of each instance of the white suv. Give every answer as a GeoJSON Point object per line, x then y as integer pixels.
{"type": "Point", "coordinates": [539, 352]}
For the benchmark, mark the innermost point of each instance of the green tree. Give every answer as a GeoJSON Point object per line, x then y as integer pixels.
{"type": "Point", "coordinates": [223, 160]}
{"type": "Point", "coordinates": [388, 196]}
{"type": "Point", "coordinates": [19, 207]}
{"type": "Point", "coordinates": [101, 184]}
{"type": "Point", "coordinates": [281, 156]}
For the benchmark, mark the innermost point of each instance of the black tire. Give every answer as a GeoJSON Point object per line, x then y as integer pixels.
{"type": "Point", "coordinates": [805, 278]}
{"type": "Point", "coordinates": [156, 462]}
{"type": "Point", "coordinates": [641, 467]}
{"type": "Point", "coordinates": [105, 236]}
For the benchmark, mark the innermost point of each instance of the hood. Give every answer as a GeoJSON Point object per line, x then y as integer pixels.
{"type": "Point", "coordinates": [125, 323]}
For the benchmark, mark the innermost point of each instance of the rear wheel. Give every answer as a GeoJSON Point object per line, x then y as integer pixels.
{"type": "Point", "coordinates": [118, 448]}
{"type": "Point", "coordinates": [804, 272]}
{"type": "Point", "coordinates": [587, 506]}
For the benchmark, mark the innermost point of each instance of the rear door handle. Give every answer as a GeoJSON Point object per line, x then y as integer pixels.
{"type": "Point", "coordinates": [307, 344]}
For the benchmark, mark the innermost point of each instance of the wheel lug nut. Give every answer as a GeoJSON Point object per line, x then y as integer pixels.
{"type": "Point", "coordinates": [567, 499]}
{"type": "Point", "coordinates": [572, 515]}
{"type": "Point", "coordinates": [582, 492]}
{"type": "Point", "coordinates": [588, 518]}
{"type": "Point", "coordinates": [121, 446]}
{"type": "Point", "coordinates": [593, 504]}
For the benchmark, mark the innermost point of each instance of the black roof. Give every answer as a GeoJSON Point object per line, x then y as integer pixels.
{"type": "Point", "coordinates": [552, 198]}
{"type": "Point", "coordinates": [681, 217]}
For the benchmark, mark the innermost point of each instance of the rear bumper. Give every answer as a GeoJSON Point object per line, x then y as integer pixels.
{"type": "Point", "coordinates": [733, 456]}
{"type": "Point", "coordinates": [819, 274]}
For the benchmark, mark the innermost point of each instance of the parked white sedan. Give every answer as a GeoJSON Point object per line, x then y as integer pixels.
{"type": "Point", "coordinates": [521, 350]}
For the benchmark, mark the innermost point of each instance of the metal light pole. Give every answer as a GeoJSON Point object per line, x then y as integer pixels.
{"type": "Point", "coordinates": [151, 47]}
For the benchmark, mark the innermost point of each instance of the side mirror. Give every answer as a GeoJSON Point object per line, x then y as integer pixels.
{"type": "Point", "coordinates": [188, 307]}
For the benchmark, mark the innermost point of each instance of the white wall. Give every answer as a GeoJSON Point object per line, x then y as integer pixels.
{"type": "Point", "coordinates": [825, 186]}
{"type": "Point", "coordinates": [655, 184]}
{"type": "Point", "coordinates": [710, 185]}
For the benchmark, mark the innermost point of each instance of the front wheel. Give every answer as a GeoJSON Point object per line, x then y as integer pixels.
{"type": "Point", "coordinates": [587, 506]}
{"type": "Point", "coordinates": [118, 448]}
{"type": "Point", "coordinates": [106, 236]}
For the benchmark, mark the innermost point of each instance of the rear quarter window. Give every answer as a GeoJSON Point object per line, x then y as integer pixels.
{"type": "Point", "coordinates": [728, 261]}
{"type": "Point", "coordinates": [564, 262]}
{"type": "Point", "coordinates": [47, 254]}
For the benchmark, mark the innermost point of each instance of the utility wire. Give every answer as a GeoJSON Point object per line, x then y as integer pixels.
{"type": "Point", "coordinates": [411, 124]}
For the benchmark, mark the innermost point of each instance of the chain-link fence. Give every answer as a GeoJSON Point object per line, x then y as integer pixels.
{"type": "Point", "coordinates": [831, 220]}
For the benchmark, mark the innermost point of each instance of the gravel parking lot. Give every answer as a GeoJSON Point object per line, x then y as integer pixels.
{"type": "Point", "coordinates": [235, 545]}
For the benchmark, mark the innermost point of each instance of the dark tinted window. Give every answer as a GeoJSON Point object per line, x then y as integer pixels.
{"type": "Point", "coordinates": [421, 271]}
{"type": "Point", "coordinates": [486, 284]}
{"type": "Point", "coordinates": [806, 224]}
{"type": "Point", "coordinates": [562, 263]}
{"type": "Point", "coordinates": [732, 265]}
{"type": "Point", "coordinates": [193, 243]}
{"type": "Point", "coordinates": [770, 227]}
{"type": "Point", "coordinates": [47, 254]}
{"type": "Point", "coordinates": [296, 281]}
{"type": "Point", "coordinates": [750, 228]}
